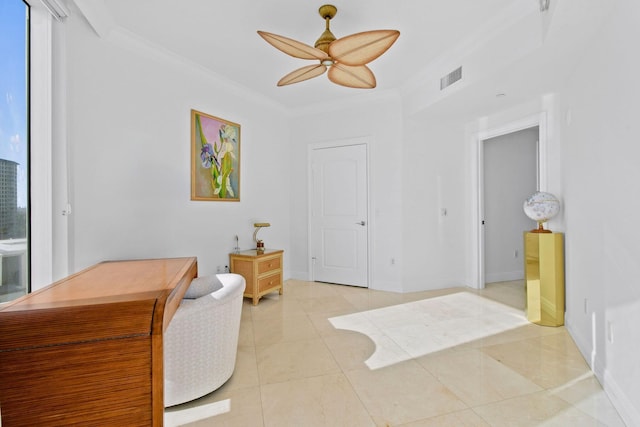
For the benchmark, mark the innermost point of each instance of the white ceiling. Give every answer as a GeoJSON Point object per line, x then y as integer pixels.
{"type": "Point", "coordinates": [221, 37]}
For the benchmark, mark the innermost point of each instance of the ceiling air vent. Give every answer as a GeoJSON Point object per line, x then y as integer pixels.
{"type": "Point", "coordinates": [451, 78]}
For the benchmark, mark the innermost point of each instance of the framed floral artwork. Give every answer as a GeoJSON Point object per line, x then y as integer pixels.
{"type": "Point", "coordinates": [215, 158]}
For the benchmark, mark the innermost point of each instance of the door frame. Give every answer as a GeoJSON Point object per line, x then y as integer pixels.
{"type": "Point", "coordinates": [477, 154]}
{"type": "Point", "coordinates": [366, 141]}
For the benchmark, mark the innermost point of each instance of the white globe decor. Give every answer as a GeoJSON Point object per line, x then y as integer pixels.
{"type": "Point", "coordinates": [541, 207]}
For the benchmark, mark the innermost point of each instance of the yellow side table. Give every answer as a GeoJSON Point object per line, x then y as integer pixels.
{"type": "Point", "coordinates": [544, 278]}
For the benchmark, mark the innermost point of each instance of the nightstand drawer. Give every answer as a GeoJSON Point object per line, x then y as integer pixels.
{"type": "Point", "coordinates": [269, 282]}
{"type": "Point", "coordinates": [269, 265]}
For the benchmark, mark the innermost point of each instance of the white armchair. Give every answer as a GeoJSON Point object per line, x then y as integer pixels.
{"type": "Point", "coordinates": [201, 342]}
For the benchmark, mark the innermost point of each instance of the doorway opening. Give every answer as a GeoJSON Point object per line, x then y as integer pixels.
{"type": "Point", "coordinates": [503, 266]}
{"type": "Point", "coordinates": [510, 175]}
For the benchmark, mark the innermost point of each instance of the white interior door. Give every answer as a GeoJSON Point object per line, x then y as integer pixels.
{"type": "Point", "coordinates": [339, 215]}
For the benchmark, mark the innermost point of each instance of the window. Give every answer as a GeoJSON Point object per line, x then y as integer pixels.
{"type": "Point", "coordinates": [14, 149]}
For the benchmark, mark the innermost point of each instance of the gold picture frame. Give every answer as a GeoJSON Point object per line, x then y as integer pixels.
{"type": "Point", "coordinates": [215, 158]}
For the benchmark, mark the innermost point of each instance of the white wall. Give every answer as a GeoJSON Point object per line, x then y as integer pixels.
{"type": "Point", "coordinates": [440, 171]}
{"type": "Point", "coordinates": [380, 121]}
{"type": "Point", "coordinates": [128, 110]}
{"type": "Point", "coordinates": [602, 178]}
{"type": "Point", "coordinates": [434, 178]}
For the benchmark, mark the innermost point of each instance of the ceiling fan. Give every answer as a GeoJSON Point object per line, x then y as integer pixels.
{"type": "Point", "coordinates": [345, 58]}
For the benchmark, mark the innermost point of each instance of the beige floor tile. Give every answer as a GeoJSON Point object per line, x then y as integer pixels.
{"type": "Point", "coordinates": [236, 408]}
{"type": "Point", "coordinates": [325, 322]}
{"type": "Point", "coordinates": [465, 418]}
{"type": "Point", "coordinates": [476, 378]}
{"type": "Point", "coordinates": [245, 315]}
{"type": "Point", "coordinates": [360, 322]}
{"type": "Point", "coordinates": [327, 400]}
{"type": "Point", "coordinates": [245, 373]}
{"type": "Point", "coordinates": [511, 293]}
{"type": "Point", "coordinates": [350, 349]}
{"type": "Point", "coordinates": [527, 330]}
{"type": "Point", "coordinates": [275, 306]}
{"type": "Point", "coordinates": [349, 290]}
{"type": "Point", "coordinates": [561, 344]}
{"type": "Point", "coordinates": [421, 295]}
{"type": "Point", "coordinates": [538, 409]}
{"type": "Point", "coordinates": [305, 290]}
{"type": "Point", "coordinates": [282, 329]}
{"type": "Point", "coordinates": [245, 337]}
{"type": "Point", "coordinates": [325, 304]}
{"type": "Point", "coordinates": [420, 339]}
{"type": "Point", "coordinates": [447, 335]}
{"type": "Point", "coordinates": [369, 300]}
{"type": "Point", "coordinates": [446, 307]}
{"type": "Point", "coordinates": [587, 394]}
{"type": "Point", "coordinates": [402, 393]}
{"type": "Point", "coordinates": [353, 350]}
{"type": "Point", "coordinates": [401, 314]}
{"type": "Point", "coordinates": [546, 361]}
{"type": "Point", "coordinates": [294, 360]}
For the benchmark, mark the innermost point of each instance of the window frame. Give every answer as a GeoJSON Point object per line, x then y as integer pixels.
{"type": "Point", "coordinates": [40, 146]}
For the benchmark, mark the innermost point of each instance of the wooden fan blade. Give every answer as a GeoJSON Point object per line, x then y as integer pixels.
{"type": "Point", "coordinates": [302, 74]}
{"type": "Point", "coordinates": [292, 47]}
{"type": "Point", "coordinates": [362, 48]}
{"type": "Point", "coordinates": [359, 77]}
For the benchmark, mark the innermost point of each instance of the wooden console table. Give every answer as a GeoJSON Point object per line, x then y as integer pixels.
{"type": "Point", "coordinates": [262, 271]}
{"type": "Point", "coordinates": [87, 350]}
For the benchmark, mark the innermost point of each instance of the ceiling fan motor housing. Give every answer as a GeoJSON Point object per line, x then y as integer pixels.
{"type": "Point", "coordinates": [326, 38]}
{"type": "Point", "coordinates": [327, 12]}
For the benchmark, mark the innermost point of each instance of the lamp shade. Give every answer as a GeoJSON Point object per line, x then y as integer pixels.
{"type": "Point", "coordinates": [258, 226]}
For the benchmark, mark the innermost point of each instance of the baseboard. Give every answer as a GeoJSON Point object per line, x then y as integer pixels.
{"type": "Point", "coordinates": [620, 401]}
{"type": "Point", "coordinates": [616, 395]}
{"type": "Point", "coordinates": [504, 276]}
{"type": "Point", "coordinates": [583, 346]}
{"type": "Point", "coordinates": [300, 275]}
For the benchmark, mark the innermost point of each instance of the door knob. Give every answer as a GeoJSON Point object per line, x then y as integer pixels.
{"type": "Point", "coordinates": [361, 223]}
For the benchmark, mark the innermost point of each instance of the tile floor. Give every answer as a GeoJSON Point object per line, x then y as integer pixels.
{"type": "Point", "coordinates": [331, 355]}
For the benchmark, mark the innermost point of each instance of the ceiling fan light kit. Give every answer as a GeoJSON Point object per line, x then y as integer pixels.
{"type": "Point", "coordinates": [344, 58]}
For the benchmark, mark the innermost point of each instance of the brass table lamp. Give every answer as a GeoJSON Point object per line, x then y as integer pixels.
{"type": "Point", "coordinates": [259, 243]}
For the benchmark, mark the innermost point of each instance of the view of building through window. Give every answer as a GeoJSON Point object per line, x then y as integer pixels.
{"type": "Point", "coordinates": [14, 149]}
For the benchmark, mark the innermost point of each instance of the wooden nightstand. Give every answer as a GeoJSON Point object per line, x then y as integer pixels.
{"type": "Point", "coordinates": [262, 271]}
